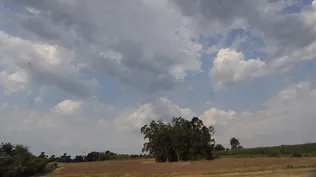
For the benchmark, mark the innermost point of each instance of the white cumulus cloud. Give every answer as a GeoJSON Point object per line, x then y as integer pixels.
{"type": "Point", "coordinates": [163, 109]}
{"type": "Point", "coordinates": [68, 107]}
{"type": "Point", "coordinates": [231, 67]}
{"type": "Point", "coordinates": [160, 109]}
{"type": "Point", "coordinates": [214, 116]}
{"type": "Point", "coordinates": [13, 82]}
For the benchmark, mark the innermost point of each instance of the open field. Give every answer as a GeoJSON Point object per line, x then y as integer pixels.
{"type": "Point", "coordinates": [226, 166]}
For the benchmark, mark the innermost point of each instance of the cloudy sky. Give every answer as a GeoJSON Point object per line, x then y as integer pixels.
{"type": "Point", "coordinates": [77, 75]}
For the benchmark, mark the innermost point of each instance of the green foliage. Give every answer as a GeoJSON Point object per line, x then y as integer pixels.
{"type": "Point", "coordinates": [296, 154]}
{"type": "Point", "coordinates": [16, 160]}
{"type": "Point", "coordinates": [51, 167]}
{"type": "Point", "coordinates": [95, 156]}
{"type": "Point", "coordinates": [275, 151]}
{"type": "Point", "coordinates": [178, 140]}
{"type": "Point", "coordinates": [234, 143]}
{"type": "Point", "coordinates": [219, 147]}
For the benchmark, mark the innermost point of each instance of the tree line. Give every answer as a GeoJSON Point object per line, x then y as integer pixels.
{"type": "Point", "coordinates": [17, 160]}
{"type": "Point", "coordinates": [94, 156]}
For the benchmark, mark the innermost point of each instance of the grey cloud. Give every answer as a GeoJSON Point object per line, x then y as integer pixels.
{"type": "Point", "coordinates": [141, 32]}
{"type": "Point", "coordinates": [44, 65]}
{"type": "Point", "coordinates": [42, 28]}
{"type": "Point", "coordinates": [70, 82]}
{"type": "Point", "coordinates": [288, 31]}
{"type": "Point", "coordinates": [218, 15]}
{"type": "Point", "coordinates": [288, 38]}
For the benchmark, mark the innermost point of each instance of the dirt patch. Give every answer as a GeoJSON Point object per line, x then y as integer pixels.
{"type": "Point", "coordinates": [149, 167]}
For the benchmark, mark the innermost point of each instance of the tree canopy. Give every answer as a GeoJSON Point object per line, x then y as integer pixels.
{"type": "Point", "coordinates": [178, 140]}
{"type": "Point", "coordinates": [16, 160]}
{"type": "Point", "coordinates": [235, 144]}
{"type": "Point", "coordinates": [219, 147]}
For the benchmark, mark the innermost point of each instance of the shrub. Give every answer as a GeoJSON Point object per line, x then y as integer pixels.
{"type": "Point", "coordinates": [307, 155]}
{"type": "Point", "coordinates": [296, 154]}
{"type": "Point", "coordinates": [274, 154]}
{"type": "Point", "coordinates": [51, 167]}
{"type": "Point", "coordinates": [289, 166]}
{"type": "Point", "coordinates": [16, 160]}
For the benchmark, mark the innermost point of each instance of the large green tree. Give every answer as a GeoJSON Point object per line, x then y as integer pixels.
{"type": "Point", "coordinates": [178, 140]}
{"type": "Point", "coordinates": [234, 143]}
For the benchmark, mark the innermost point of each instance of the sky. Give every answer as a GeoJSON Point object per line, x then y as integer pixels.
{"type": "Point", "coordinates": [79, 76]}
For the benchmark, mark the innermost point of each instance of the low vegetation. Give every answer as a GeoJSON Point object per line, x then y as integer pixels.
{"type": "Point", "coordinates": [300, 150]}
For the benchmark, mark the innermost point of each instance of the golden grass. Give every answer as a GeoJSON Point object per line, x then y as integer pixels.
{"type": "Point", "coordinates": [226, 172]}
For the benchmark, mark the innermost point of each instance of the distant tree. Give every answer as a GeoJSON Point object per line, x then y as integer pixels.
{"type": "Point", "coordinates": [42, 155]}
{"type": "Point", "coordinates": [92, 156]}
{"type": "Point", "coordinates": [234, 143]}
{"type": "Point", "coordinates": [65, 158]}
{"type": "Point", "coordinates": [51, 158]}
{"type": "Point", "coordinates": [79, 158]}
{"type": "Point", "coordinates": [68, 159]}
{"type": "Point", "coordinates": [6, 149]}
{"type": "Point", "coordinates": [219, 147]}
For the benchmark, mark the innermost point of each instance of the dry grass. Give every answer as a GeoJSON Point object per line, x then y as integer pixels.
{"type": "Point", "coordinates": [141, 168]}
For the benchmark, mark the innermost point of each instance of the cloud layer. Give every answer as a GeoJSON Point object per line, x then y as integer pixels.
{"type": "Point", "coordinates": [147, 45]}
{"type": "Point", "coordinates": [82, 70]}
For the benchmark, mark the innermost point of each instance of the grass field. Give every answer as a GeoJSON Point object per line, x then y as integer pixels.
{"type": "Point", "coordinates": [296, 150]}
{"type": "Point", "coordinates": [222, 167]}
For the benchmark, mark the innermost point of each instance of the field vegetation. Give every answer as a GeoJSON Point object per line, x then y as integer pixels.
{"type": "Point", "coordinates": [299, 150]}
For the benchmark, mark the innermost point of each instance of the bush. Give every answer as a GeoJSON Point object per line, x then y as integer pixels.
{"type": "Point", "coordinates": [307, 155]}
{"type": "Point", "coordinates": [51, 167]}
{"type": "Point", "coordinates": [16, 160]}
{"type": "Point", "coordinates": [296, 154]}
{"type": "Point", "coordinates": [274, 154]}
{"type": "Point", "coordinates": [289, 166]}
